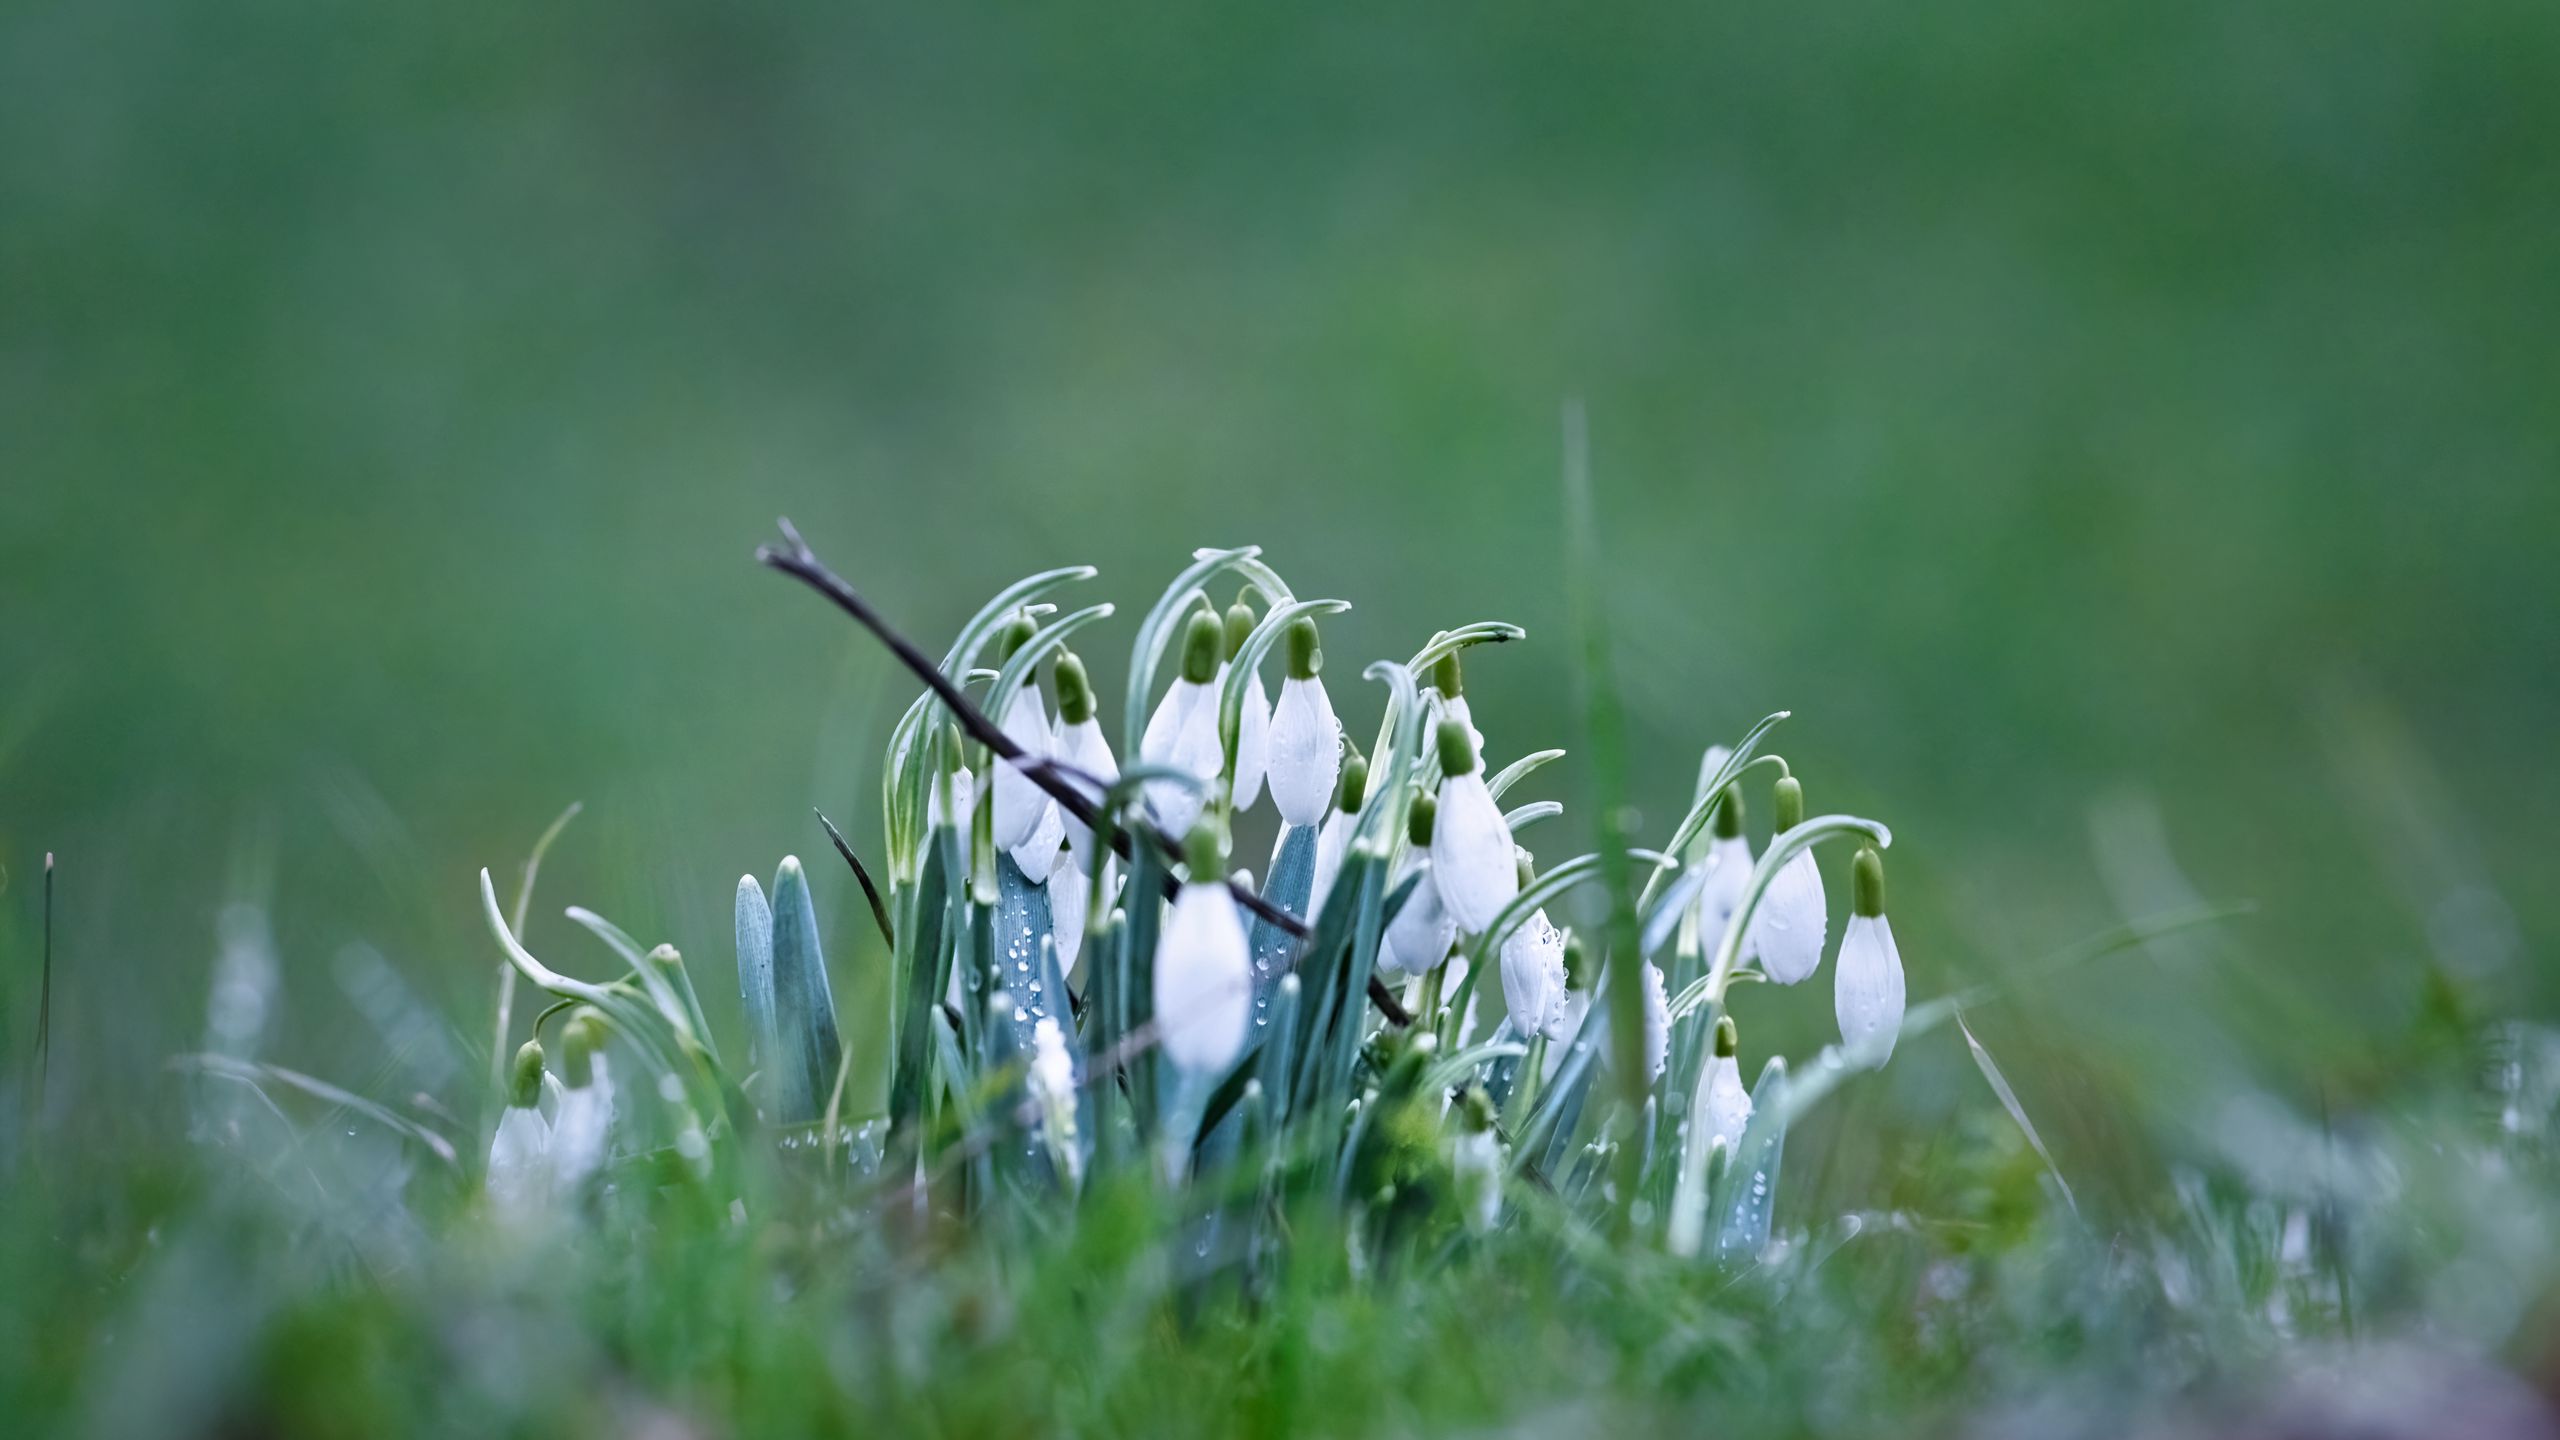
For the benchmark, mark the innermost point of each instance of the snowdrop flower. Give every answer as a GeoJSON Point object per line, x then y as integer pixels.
{"type": "Point", "coordinates": [1728, 1104]}
{"type": "Point", "coordinates": [1305, 740]}
{"type": "Point", "coordinates": [1657, 1022]}
{"type": "Point", "coordinates": [1868, 993]}
{"type": "Point", "coordinates": [1253, 727]}
{"type": "Point", "coordinates": [1420, 934]}
{"type": "Point", "coordinates": [1728, 869]}
{"type": "Point", "coordinates": [519, 1169]}
{"type": "Point", "coordinates": [1204, 971]}
{"type": "Point", "coordinates": [1052, 1084]}
{"type": "Point", "coordinates": [1333, 842]}
{"type": "Point", "coordinates": [585, 1120]}
{"type": "Point", "coordinates": [1533, 983]}
{"type": "Point", "coordinates": [1788, 929]}
{"type": "Point", "coordinates": [1471, 851]}
{"type": "Point", "coordinates": [1020, 804]}
{"type": "Point", "coordinates": [1475, 1163]}
{"type": "Point", "coordinates": [1081, 747]}
{"type": "Point", "coordinates": [1183, 731]}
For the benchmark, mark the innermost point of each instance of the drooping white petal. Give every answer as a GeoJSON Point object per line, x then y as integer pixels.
{"type": "Point", "coordinates": [1728, 866]}
{"type": "Point", "coordinates": [1472, 854]}
{"type": "Point", "coordinates": [1306, 751]}
{"type": "Point", "coordinates": [1203, 981]}
{"type": "Point", "coordinates": [519, 1164]}
{"type": "Point", "coordinates": [1867, 992]}
{"type": "Point", "coordinates": [1082, 748]}
{"type": "Point", "coordinates": [1570, 1015]}
{"type": "Point", "coordinates": [1183, 733]}
{"type": "Point", "coordinates": [1019, 803]}
{"type": "Point", "coordinates": [1533, 975]}
{"type": "Point", "coordinates": [1038, 854]}
{"type": "Point", "coordinates": [1253, 743]}
{"type": "Point", "coordinates": [1332, 843]}
{"type": "Point", "coordinates": [578, 1134]}
{"type": "Point", "coordinates": [1475, 1166]}
{"type": "Point", "coordinates": [964, 802]}
{"type": "Point", "coordinates": [1420, 934]}
{"type": "Point", "coordinates": [1657, 1022]}
{"type": "Point", "coordinates": [1450, 984]}
{"type": "Point", "coordinates": [1069, 903]}
{"type": "Point", "coordinates": [1728, 1104]}
{"type": "Point", "coordinates": [1788, 929]}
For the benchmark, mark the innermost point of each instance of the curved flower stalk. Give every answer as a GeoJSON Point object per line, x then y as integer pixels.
{"type": "Point", "coordinates": [1788, 931]}
{"type": "Point", "coordinates": [519, 1179]}
{"type": "Point", "coordinates": [1253, 719]}
{"type": "Point", "coordinates": [1182, 734]}
{"type": "Point", "coordinates": [1305, 743]}
{"type": "Point", "coordinates": [1728, 1108]}
{"type": "Point", "coordinates": [1472, 855]}
{"type": "Point", "coordinates": [580, 1131]}
{"type": "Point", "coordinates": [1868, 993]}
{"type": "Point", "coordinates": [1334, 840]}
{"type": "Point", "coordinates": [1419, 936]}
{"type": "Point", "coordinates": [1203, 970]}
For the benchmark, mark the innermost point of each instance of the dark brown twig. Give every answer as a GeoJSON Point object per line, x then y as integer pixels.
{"type": "Point", "coordinates": [879, 911]}
{"type": "Point", "coordinates": [795, 559]}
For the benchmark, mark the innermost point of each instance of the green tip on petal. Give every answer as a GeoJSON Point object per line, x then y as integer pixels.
{"type": "Point", "coordinates": [524, 1083]}
{"type": "Point", "coordinates": [1075, 689]}
{"type": "Point", "coordinates": [1240, 618]}
{"type": "Point", "coordinates": [1729, 813]}
{"type": "Point", "coordinates": [1728, 1039]}
{"type": "Point", "coordinates": [1457, 749]}
{"type": "Point", "coordinates": [1866, 883]}
{"type": "Point", "coordinates": [1017, 632]}
{"type": "Point", "coordinates": [1306, 656]}
{"type": "Point", "coordinates": [1205, 852]}
{"type": "Point", "coordinates": [1354, 787]}
{"type": "Point", "coordinates": [1445, 677]}
{"type": "Point", "coordinates": [1201, 647]}
{"type": "Point", "coordinates": [1789, 805]}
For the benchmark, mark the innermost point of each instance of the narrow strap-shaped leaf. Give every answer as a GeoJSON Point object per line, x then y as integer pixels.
{"type": "Point", "coordinates": [807, 1047]}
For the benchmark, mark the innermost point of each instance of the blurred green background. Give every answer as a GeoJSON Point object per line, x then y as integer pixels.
{"type": "Point", "coordinates": [2057, 407]}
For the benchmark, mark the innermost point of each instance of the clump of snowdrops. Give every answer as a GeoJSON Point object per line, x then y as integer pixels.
{"type": "Point", "coordinates": [1399, 1020]}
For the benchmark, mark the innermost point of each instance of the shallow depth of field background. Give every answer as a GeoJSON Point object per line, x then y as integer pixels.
{"type": "Point", "coordinates": [2065, 411]}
